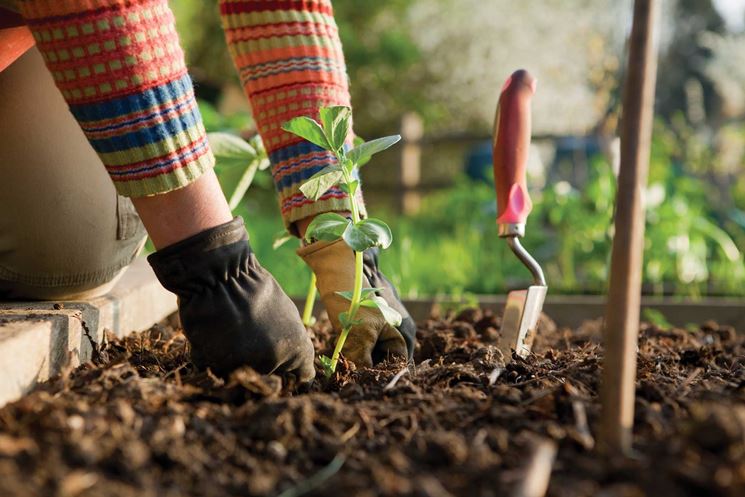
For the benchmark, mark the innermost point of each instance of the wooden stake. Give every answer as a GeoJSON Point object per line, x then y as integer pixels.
{"type": "Point", "coordinates": [624, 297]}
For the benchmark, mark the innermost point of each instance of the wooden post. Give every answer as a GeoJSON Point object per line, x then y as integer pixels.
{"type": "Point", "coordinates": [624, 297]}
{"type": "Point", "coordinates": [412, 130]}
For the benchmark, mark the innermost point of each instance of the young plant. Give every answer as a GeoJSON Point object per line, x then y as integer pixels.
{"type": "Point", "coordinates": [232, 153]}
{"type": "Point", "coordinates": [359, 234]}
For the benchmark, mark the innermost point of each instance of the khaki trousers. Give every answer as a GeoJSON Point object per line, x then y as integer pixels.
{"type": "Point", "coordinates": [64, 232]}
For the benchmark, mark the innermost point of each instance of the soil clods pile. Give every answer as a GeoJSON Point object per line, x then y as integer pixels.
{"type": "Point", "coordinates": [141, 421]}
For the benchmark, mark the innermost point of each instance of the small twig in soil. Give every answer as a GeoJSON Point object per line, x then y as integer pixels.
{"type": "Point", "coordinates": [432, 487]}
{"type": "Point", "coordinates": [366, 421]}
{"type": "Point", "coordinates": [413, 428]}
{"type": "Point", "coordinates": [395, 379]}
{"type": "Point", "coordinates": [385, 422]}
{"type": "Point", "coordinates": [174, 338]}
{"type": "Point", "coordinates": [423, 364]}
{"type": "Point", "coordinates": [494, 375]}
{"type": "Point", "coordinates": [538, 396]}
{"type": "Point", "coordinates": [317, 479]}
{"type": "Point", "coordinates": [176, 373]}
{"type": "Point", "coordinates": [347, 435]}
{"type": "Point", "coordinates": [580, 419]}
{"type": "Point", "coordinates": [538, 471]}
{"type": "Point", "coordinates": [694, 374]}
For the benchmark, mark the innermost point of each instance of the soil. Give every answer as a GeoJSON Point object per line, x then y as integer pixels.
{"type": "Point", "coordinates": [140, 420]}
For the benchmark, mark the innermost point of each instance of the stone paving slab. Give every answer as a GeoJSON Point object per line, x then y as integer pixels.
{"type": "Point", "coordinates": [38, 339]}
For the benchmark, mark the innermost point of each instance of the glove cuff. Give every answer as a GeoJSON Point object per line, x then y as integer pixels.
{"type": "Point", "coordinates": [202, 259]}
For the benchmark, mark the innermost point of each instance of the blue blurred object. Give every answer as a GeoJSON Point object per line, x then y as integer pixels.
{"type": "Point", "coordinates": [571, 159]}
{"type": "Point", "coordinates": [479, 162]}
{"type": "Point", "coordinates": [569, 147]}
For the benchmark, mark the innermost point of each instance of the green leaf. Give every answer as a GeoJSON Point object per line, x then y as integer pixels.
{"type": "Point", "coordinates": [309, 129]}
{"type": "Point", "coordinates": [366, 292]}
{"type": "Point", "coordinates": [346, 322]}
{"type": "Point", "coordinates": [351, 187]}
{"type": "Point", "coordinates": [348, 166]}
{"type": "Point", "coordinates": [325, 361]}
{"type": "Point", "coordinates": [368, 233]}
{"type": "Point", "coordinates": [327, 226]}
{"type": "Point", "coordinates": [319, 183]}
{"type": "Point", "coordinates": [335, 122]}
{"type": "Point", "coordinates": [230, 150]}
{"type": "Point", "coordinates": [281, 238]}
{"type": "Point", "coordinates": [656, 318]}
{"type": "Point", "coordinates": [243, 184]}
{"type": "Point", "coordinates": [721, 237]}
{"type": "Point", "coordinates": [261, 155]}
{"type": "Point", "coordinates": [361, 154]}
{"type": "Point", "coordinates": [391, 315]}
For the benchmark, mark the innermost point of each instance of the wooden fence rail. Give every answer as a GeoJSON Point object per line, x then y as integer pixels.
{"type": "Point", "coordinates": [410, 181]}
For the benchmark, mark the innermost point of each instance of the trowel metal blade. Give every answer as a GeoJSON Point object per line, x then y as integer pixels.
{"type": "Point", "coordinates": [520, 319]}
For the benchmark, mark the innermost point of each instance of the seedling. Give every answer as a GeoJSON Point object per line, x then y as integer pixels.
{"type": "Point", "coordinates": [359, 234]}
{"type": "Point", "coordinates": [234, 152]}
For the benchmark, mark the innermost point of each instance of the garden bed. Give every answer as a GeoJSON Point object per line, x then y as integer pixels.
{"type": "Point", "coordinates": [140, 421]}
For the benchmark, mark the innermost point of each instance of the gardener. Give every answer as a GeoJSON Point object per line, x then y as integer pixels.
{"type": "Point", "coordinates": [67, 231]}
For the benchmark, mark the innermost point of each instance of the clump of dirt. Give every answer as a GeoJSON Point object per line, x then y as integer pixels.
{"type": "Point", "coordinates": [142, 421]}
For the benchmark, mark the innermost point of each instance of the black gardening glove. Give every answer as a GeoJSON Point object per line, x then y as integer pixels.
{"type": "Point", "coordinates": [232, 310]}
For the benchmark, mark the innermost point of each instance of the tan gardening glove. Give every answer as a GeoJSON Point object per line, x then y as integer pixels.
{"type": "Point", "coordinates": [374, 339]}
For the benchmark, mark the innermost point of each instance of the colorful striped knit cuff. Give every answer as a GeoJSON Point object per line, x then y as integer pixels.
{"type": "Point", "coordinates": [121, 70]}
{"type": "Point", "coordinates": [293, 166]}
{"type": "Point", "coordinates": [290, 62]}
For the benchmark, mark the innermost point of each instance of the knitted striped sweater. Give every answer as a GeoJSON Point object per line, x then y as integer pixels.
{"type": "Point", "coordinates": [119, 65]}
{"type": "Point", "coordinates": [290, 62]}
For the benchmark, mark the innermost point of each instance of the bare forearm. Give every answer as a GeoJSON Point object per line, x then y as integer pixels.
{"type": "Point", "coordinates": [174, 216]}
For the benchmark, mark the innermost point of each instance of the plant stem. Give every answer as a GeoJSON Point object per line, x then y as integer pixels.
{"type": "Point", "coordinates": [310, 300]}
{"type": "Point", "coordinates": [240, 189]}
{"type": "Point", "coordinates": [354, 305]}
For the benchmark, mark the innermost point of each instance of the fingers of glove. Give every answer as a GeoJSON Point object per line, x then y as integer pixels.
{"type": "Point", "coordinates": [408, 332]}
{"type": "Point", "coordinates": [303, 364]}
{"type": "Point", "coordinates": [407, 328]}
{"type": "Point", "coordinates": [390, 345]}
{"type": "Point", "coordinates": [359, 346]}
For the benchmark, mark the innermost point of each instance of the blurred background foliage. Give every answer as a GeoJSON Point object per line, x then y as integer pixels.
{"type": "Point", "coordinates": [445, 60]}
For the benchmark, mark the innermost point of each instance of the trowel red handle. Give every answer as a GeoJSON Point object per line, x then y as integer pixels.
{"type": "Point", "coordinates": [510, 146]}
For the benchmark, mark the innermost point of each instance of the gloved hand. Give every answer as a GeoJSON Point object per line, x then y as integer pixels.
{"type": "Point", "coordinates": [233, 311]}
{"type": "Point", "coordinates": [374, 339]}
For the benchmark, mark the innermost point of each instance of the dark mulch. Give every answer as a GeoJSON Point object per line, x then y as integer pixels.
{"type": "Point", "coordinates": [141, 421]}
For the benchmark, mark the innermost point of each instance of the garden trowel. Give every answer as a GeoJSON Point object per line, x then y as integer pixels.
{"type": "Point", "coordinates": [511, 144]}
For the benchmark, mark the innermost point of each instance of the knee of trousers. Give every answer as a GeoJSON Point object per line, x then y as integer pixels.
{"type": "Point", "coordinates": [63, 229]}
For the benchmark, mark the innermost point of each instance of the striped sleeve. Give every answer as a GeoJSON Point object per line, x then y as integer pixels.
{"type": "Point", "coordinates": [120, 67]}
{"type": "Point", "coordinates": [290, 62]}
